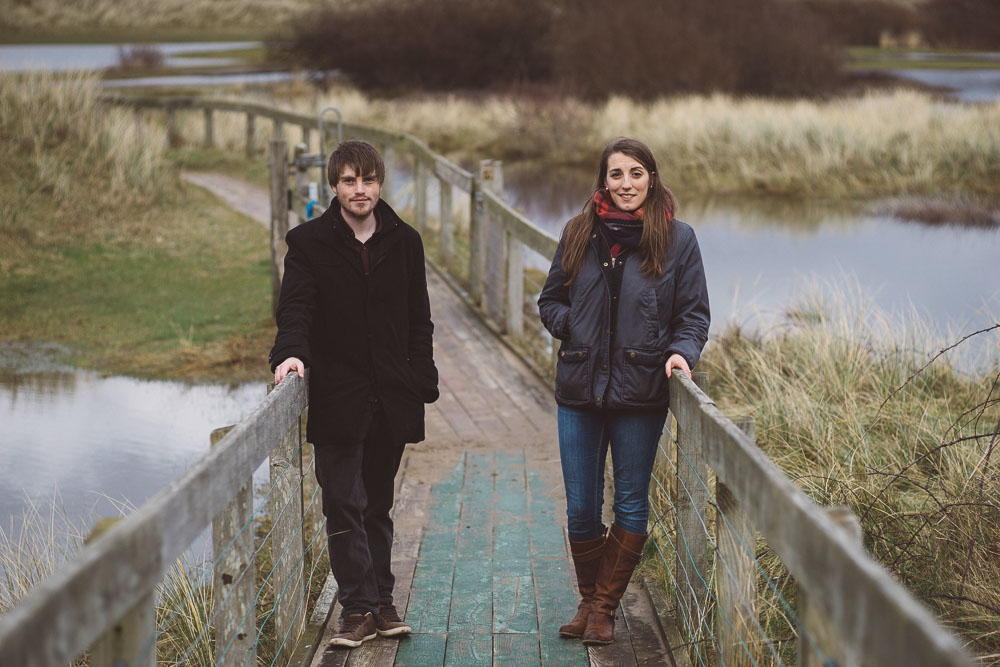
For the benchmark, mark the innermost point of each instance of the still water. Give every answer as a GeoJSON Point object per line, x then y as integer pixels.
{"type": "Point", "coordinates": [760, 254]}
{"type": "Point", "coordinates": [72, 57]}
{"type": "Point", "coordinates": [94, 442]}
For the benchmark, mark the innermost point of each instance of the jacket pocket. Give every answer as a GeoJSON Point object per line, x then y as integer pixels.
{"type": "Point", "coordinates": [644, 381]}
{"type": "Point", "coordinates": [573, 374]}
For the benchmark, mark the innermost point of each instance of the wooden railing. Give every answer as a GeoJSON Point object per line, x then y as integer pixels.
{"type": "Point", "coordinates": [103, 600]}
{"type": "Point", "coordinates": [850, 611]}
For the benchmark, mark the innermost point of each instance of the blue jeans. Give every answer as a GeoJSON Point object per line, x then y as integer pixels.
{"type": "Point", "coordinates": [584, 436]}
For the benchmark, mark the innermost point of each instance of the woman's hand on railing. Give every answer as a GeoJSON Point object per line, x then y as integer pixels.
{"type": "Point", "coordinates": [677, 361]}
{"type": "Point", "coordinates": [287, 366]}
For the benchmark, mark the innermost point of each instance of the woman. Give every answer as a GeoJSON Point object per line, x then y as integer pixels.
{"type": "Point", "coordinates": [626, 295]}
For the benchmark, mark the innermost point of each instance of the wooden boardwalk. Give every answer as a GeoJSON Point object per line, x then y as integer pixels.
{"type": "Point", "coordinates": [482, 566]}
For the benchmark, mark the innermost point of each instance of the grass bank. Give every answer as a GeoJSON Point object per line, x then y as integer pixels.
{"type": "Point", "coordinates": [848, 406]}
{"type": "Point", "coordinates": [870, 145]}
{"type": "Point", "coordinates": [104, 249]}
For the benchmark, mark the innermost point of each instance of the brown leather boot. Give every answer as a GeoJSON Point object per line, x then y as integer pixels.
{"type": "Point", "coordinates": [586, 559]}
{"type": "Point", "coordinates": [622, 552]}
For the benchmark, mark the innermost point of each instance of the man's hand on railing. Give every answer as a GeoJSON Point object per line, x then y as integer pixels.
{"type": "Point", "coordinates": [676, 361]}
{"type": "Point", "coordinates": [287, 366]}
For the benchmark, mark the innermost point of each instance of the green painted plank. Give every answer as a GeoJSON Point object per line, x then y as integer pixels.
{"type": "Point", "coordinates": [472, 596]}
{"type": "Point", "coordinates": [475, 534]}
{"type": "Point", "coordinates": [511, 543]}
{"type": "Point", "coordinates": [430, 596]}
{"type": "Point", "coordinates": [546, 520]}
{"type": "Point", "coordinates": [516, 649]}
{"type": "Point", "coordinates": [514, 603]}
{"type": "Point", "coordinates": [469, 649]}
{"type": "Point", "coordinates": [511, 489]}
{"type": "Point", "coordinates": [421, 649]}
{"type": "Point", "coordinates": [557, 600]}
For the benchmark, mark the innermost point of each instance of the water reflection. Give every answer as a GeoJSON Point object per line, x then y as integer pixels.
{"type": "Point", "coordinates": [99, 441]}
{"type": "Point", "coordinates": [759, 252]}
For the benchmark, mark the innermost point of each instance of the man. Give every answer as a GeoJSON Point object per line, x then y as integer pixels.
{"type": "Point", "coordinates": [354, 310]}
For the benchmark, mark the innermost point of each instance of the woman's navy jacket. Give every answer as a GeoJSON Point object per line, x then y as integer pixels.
{"type": "Point", "coordinates": [624, 369]}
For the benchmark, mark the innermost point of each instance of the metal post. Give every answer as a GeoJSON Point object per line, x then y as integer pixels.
{"type": "Point", "coordinates": [209, 129]}
{"type": "Point", "coordinates": [251, 129]}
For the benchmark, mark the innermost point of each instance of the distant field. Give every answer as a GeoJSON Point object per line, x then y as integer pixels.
{"type": "Point", "coordinates": [144, 20]}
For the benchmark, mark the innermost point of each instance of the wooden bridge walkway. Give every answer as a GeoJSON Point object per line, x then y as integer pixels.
{"type": "Point", "coordinates": [481, 560]}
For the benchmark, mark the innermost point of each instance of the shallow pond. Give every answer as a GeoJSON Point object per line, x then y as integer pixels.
{"type": "Point", "coordinates": [94, 442]}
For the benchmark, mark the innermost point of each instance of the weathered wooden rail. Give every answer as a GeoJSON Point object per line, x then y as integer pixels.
{"type": "Point", "coordinates": [103, 599]}
{"type": "Point", "coordinates": [850, 610]}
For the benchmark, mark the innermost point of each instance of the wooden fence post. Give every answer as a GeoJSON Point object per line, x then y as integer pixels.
{"type": "Point", "coordinates": [279, 216]}
{"type": "Point", "coordinates": [285, 510]}
{"type": "Point", "coordinates": [691, 563]}
{"type": "Point", "coordinates": [389, 158]}
{"type": "Point", "coordinates": [209, 129]}
{"type": "Point", "coordinates": [735, 575]}
{"type": "Point", "coordinates": [173, 138]}
{"type": "Point", "coordinates": [492, 246]}
{"type": "Point", "coordinates": [819, 644]}
{"type": "Point", "coordinates": [278, 131]}
{"type": "Point", "coordinates": [132, 640]}
{"type": "Point", "coordinates": [446, 220]}
{"type": "Point", "coordinates": [233, 577]}
{"type": "Point", "coordinates": [420, 194]}
{"type": "Point", "coordinates": [306, 136]}
{"type": "Point", "coordinates": [515, 285]}
{"type": "Point", "coordinates": [251, 130]}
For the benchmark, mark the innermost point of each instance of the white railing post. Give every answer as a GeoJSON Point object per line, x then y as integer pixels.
{"type": "Point", "coordinates": [515, 285]}
{"type": "Point", "coordinates": [446, 220]}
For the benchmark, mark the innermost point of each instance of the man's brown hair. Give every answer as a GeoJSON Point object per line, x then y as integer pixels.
{"type": "Point", "coordinates": [360, 156]}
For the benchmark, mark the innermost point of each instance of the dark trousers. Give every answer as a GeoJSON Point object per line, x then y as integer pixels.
{"type": "Point", "coordinates": [358, 483]}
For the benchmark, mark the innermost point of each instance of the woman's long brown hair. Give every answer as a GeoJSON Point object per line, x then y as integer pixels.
{"type": "Point", "coordinates": [655, 239]}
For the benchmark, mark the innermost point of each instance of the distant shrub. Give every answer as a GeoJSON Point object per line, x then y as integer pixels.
{"type": "Point", "coordinates": [973, 24]}
{"type": "Point", "coordinates": [862, 22]}
{"type": "Point", "coordinates": [140, 56]}
{"type": "Point", "coordinates": [426, 44]}
{"type": "Point", "coordinates": [586, 47]}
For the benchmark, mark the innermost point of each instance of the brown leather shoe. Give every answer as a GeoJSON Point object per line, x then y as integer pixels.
{"type": "Point", "coordinates": [586, 559]}
{"type": "Point", "coordinates": [389, 622]}
{"type": "Point", "coordinates": [622, 552]}
{"type": "Point", "coordinates": [355, 629]}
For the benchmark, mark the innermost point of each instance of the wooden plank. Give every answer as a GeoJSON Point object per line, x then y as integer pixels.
{"type": "Point", "coordinates": [378, 652]}
{"type": "Point", "coordinates": [516, 649]}
{"type": "Point", "coordinates": [514, 607]}
{"type": "Point", "coordinates": [75, 604]}
{"type": "Point", "coordinates": [677, 644]}
{"type": "Point", "coordinates": [556, 598]}
{"type": "Point", "coordinates": [515, 285]}
{"type": "Point", "coordinates": [471, 596]}
{"type": "Point", "coordinates": [648, 641]}
{"type": "Point", "coordinates": [421, 649]}
{"type": "Point", "coordinates": [619, 653]}
{"type": "Point", "coordinates": [467, 649]}
{"type": "Point", "coordinates": [869, 610]}
{"type": "Point", "coordinates": [546, 521]}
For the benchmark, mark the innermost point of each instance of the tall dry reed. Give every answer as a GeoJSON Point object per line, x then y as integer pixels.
{"type": "Point", "coordinates": [858, 409]}
{"type": "Point", "coordinates": [870, 145]}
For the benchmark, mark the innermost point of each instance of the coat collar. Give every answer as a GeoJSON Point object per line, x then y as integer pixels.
{"type": "Point", "coordinates": [331, 233]}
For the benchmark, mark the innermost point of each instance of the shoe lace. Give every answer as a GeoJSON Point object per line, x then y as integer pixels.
{"type": "Point", "coordinates": [388, 613]}
{"type": "Point", "coordinates": [351, 623]}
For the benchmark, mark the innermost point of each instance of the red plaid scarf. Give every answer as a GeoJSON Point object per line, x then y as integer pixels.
{"type": "Point", "coordinates": [622, 229]}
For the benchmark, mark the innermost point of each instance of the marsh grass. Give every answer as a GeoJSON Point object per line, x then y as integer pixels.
{"type": "Point", "coordinates": [859, 410]}
{"type": "Point", "coordinates": [103, 248]}
{"type": "Point", "coordinates": [875, 144]}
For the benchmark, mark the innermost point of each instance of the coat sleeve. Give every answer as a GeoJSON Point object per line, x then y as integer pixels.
{"type": "Point", "coordinates": [691, 316]}
{"type": "Point", "coordinates": [421, 328]}
{"type": "Point", "coordinates": [553, 302]}
{"type": "Point", "coordinates": [296, 307]}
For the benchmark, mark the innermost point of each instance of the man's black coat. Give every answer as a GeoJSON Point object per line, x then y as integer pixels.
{"type": "Point", "coordinates": [358, 335]}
